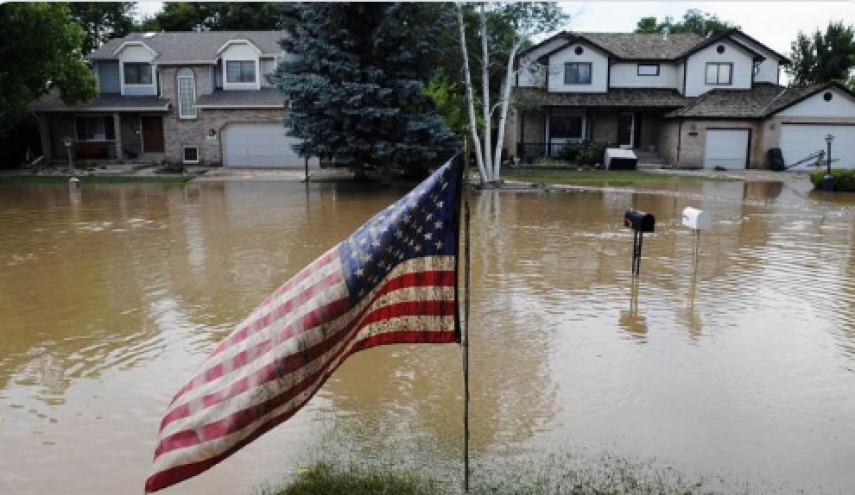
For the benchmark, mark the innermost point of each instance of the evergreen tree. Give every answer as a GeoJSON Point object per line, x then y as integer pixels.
{"type": "Point", "coordinates": [357, 82]}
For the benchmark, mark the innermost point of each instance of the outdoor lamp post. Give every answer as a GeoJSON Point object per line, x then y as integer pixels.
{"type": "Point", "coordinates": [828, 180]}
{"type": "Point", "coordinates": [68, 142]}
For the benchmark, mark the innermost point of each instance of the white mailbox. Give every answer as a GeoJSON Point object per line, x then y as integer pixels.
{"type": "Point", "coordinates": [696, 219]}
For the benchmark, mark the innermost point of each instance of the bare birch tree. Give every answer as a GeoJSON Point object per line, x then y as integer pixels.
{"type": "Point", "coordinates": [527, 19]}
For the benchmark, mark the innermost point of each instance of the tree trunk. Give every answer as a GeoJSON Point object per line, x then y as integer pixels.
{"type": "Point", "coordinates": [506, 105]}
{"type": "Point", "coordinates": [485, 97]}
{"type": "Point", "coordinates": [473, 123]}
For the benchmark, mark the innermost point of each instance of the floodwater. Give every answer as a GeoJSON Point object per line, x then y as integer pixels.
{"type": "Point", "coordinates": [743, 367]}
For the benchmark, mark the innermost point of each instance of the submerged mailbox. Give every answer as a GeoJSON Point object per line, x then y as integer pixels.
{"type": "Point", "coordinates": [696, 219]}
{"type": "Point", "coordinates": [639, 221]}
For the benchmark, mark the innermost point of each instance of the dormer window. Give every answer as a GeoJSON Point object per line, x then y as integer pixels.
{"type": "Point", "coordinates": [577, 73]}
{"type": "Point", "coordinates": [137, 73]}
{"type": "Point", "coordinates": [240, 71]}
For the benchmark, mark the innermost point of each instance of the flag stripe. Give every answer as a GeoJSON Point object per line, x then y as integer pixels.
{"type": "Point", "coordinates": [213, 376]}
{"type": "Point", "coordinates": [168, 477]}
{"type": "Point", "coordinates": [264, 398]}
{"type": "Point", "coordinates": [307, 277]}
{"type": "Point", "coordinates": [270, 370]}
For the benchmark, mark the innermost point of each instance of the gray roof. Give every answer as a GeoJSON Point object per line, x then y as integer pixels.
{"type": "Point", "coordinates": [615, 97]}
{"type": "Point", "coordinates": [102, 103]}
{"type": "Point", "coordinates": [268, 97]}
{"type": "Point", "coordinates": [190, 46]}
{"type": "Point", "coordinates": [763, 100]}
{"type": "Point", "coordinates": [644, 46]}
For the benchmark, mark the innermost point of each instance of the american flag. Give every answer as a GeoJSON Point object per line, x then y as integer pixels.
{"type": "Point", "coordinates": [393, 281]}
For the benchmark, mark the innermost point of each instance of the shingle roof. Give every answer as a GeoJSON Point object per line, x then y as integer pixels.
{"type": "Point", "coordinates": [759, 102]}
{"type": "Point", "coordinates": [644, 46]}
{"type": "Point", "coordinates": [190, 46]}
{"type": "Point", "coordinates": [615, 97]}
{"type": "Point", "coordinates": [102, 103]}
{"type": "Point", "coordinates": [268, 97]}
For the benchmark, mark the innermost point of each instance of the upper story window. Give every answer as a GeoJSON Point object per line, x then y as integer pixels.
{"type": "Point", "coordinates": [137, 73]}
{"type": "Point", "coordinates": [186, 94]}
{"type": "Point", "coordinates": [577, 73]}
{"type": "Point", "coordinates": [240, 71]}
{"type": "Point", "coordinates": [648, 69]}
{"type": "Point", "coordinates": [719, 73]}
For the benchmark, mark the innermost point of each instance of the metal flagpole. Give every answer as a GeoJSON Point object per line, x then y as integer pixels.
{"type": "Point", "coordinates": [465, 339]}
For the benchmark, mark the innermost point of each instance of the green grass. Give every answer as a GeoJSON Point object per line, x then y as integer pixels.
{"type": "Point", "coordinates": [612, 477]}
{"type": "Point", "coordinates": [93, 179]}
{"type": "Point", "coordinates": [611, 176]}
{"type": "Point", "coordinates": [324, 479]}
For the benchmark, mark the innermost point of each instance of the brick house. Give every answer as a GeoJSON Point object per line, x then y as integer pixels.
{"type": "Point", "coordinates": [677, 99]}
{"type": "Point", "coordinates": [183, 97]}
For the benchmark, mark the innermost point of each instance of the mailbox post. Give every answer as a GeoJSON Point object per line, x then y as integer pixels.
{"type": "Point", "coordinates": [640, 222]}
{"type": "Point", "coordinates": [697, 220]}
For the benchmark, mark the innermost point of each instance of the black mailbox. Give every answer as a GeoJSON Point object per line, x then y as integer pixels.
{"type": "Point", "coordinates": [639, 221]}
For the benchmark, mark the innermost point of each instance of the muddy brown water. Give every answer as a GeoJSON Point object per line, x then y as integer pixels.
{"type": "Point", "coordinates": [744, 368]}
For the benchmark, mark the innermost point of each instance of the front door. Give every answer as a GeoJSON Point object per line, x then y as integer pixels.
{"type": "Point", "coordinates": [626, 128]}
{"type": "Point", "coordinates": [152, 133]}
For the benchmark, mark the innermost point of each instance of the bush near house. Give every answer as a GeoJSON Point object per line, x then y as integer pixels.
{"type": "Point", "coordinates": [585, 153]}
{"type": "Point", "coordinates": [844, 179]}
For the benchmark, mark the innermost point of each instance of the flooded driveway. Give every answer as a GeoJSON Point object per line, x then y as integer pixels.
{"type": "Point", "coordinates": [743, 367]}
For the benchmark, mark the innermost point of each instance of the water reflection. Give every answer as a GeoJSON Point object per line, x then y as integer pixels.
{"type": "Point", "coordinates": [110, 298]}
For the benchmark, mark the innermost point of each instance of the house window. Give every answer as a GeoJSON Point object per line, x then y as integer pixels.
{"type": "Point", "coordinates": [240, 71]}
{"type": "Point", "coordinates": [137, 73]}
{"type": "Point", "coordinates": [577, 73]}
{"type": "Point", "coordinates": [719, 74]}
{"type": "Point", "coordinates": [186, 94]}
{"type": "Point", "coordinates": [566, 127]}
{"type": "Point", "coordinates": [191, 154]}
{"type": "Point", "coordinates": [95, 128]}
{"type": "Point", "coordinates": [648, 69]}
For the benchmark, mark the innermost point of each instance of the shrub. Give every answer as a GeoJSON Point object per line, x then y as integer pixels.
{"type": "Point", "coordinates": [592, 152]}
{"type": "Point", "coordinates": [844, 179]}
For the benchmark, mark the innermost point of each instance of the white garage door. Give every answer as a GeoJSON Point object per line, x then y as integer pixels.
{"type": "Point", "coordinates": [259, 145]}
{"type": "Point", "coordinates": [799, 141]}
{"type": "Point", "coordinates": [726, 148]}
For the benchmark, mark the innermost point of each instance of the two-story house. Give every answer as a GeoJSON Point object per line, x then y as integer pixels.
{"type": "Point", "coordinates": [182, 97]}
{"type": "Point", "coordinates": [693, 101]}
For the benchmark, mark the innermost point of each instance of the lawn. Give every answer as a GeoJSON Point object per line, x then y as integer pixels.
{"type": "Point", "coordinates": [93, 179]}
{"type": "Point", "coordinates": [591, 176]}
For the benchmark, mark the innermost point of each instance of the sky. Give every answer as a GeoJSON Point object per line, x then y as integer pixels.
{"type": "Point", "coordinates": [775, 24]}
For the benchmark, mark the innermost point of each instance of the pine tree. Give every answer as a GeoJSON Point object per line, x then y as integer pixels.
{"type": "Point", "coordinates": [356, 81]}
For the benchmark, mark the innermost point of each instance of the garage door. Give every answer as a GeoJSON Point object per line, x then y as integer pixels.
{"type": "Point", "coordinates": [259, 145]}
{"type": "Point", "coordinates": [726, 148]}
{"type": "Point", "coordinates": [799, 140]}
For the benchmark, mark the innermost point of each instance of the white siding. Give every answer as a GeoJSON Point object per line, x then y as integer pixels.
{"type": "Point", "coordinates": [625, 75]}
{"type": "Point", "coordinates": [681, 70]}
{"type": "Point", "coordinates": [526, 77]}
{"type": "Point", "coordinates": [599, 70]}
{"type": "Point", "coordinates": [768, 70]}
{"type": "Point", "coordinates": [743, 68]}
{"type": "Point", "coordinates": [841, 105]}
{"type": "Point", "coordinates": [136, 53]}
{"type": "Point", "coordinates": [240, 51]}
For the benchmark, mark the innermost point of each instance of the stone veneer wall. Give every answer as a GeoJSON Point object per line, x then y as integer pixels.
{"type": "Point", "coordinates": [666, 140]}
{"type": "Point", "coordinates": [605, 123]}
{"type": "Point", "coordinates": [177, 132]}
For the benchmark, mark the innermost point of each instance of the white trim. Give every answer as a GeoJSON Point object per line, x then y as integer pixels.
{"type": "Point", "coordinates": [239, 41]}
{"type": "Point", "coordinates": [241, 85]}
{"type": "Point", "coordinates": [178, 78]}
{"type": "Point", "coordinates": [153, 84]}
{"type": "Point", "coordinates": [187, 62]}
{"type": "Point", "coordinates": [134, 43]}
{"type": "Point", "coordinates": [184, 157]}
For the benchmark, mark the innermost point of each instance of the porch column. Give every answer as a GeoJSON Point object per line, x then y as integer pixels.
{"type": "Point", "coordinates": [44, 136]}
{"type": "Point", "coordinates": [117, 131]}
